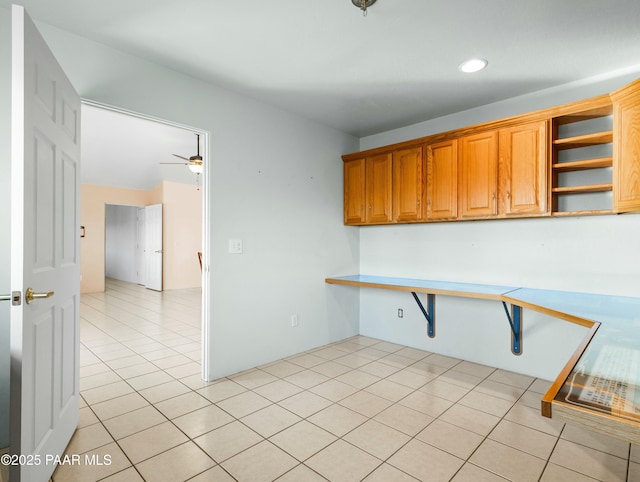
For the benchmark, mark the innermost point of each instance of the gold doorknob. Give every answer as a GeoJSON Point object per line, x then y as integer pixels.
{"type": "Point", "coordinates": [31, 295]}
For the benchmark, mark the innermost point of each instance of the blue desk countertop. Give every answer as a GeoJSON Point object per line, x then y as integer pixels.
{"type": "Point", "coordinates": [425, 286]}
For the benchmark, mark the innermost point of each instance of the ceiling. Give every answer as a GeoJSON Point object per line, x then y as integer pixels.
{"type": "Point", "coordinates": [325, 61]}
{"type": "Point", "coordinates": [397, 66]}
{"type": "Point", "coordinates": [122, 150]}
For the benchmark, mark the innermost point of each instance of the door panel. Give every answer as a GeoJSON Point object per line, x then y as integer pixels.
{"type": "Point", "coordinates": [479, 175]}
{"type": "Point", "coordinates": [153, 247]}
{"type": "Point", "coordinates": [626, 152]}
{"type": "Point", "coordinates": [523, 173]}
{"type": "Point", "coordinates": [70, 220]}
{"type": "Point", "coordinates": [409, 185]}
{"type": "Point", "coordinates": [43, 193]}
{"type": "Point", "coordinates": [140, 247]}
{"type": "Point", "coordinates": [354, 192]}
{"type": "Point", "coordinates": [442, 180]}
{"type": "Point", "coordinates": [45, 235]}
{"type": "Point", "coordinates": [378, 187]}
{"type": "Point", "coordinates": [43, 344]}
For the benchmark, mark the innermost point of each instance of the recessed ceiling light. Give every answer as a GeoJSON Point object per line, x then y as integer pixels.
{"type": "Point", "coordinates": [473, 65]}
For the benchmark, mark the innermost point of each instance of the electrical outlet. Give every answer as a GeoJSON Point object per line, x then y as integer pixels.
{"type": "Point", "coordinates": [400, 313]}
{"type": "Point", "coordinates": [294, 320]}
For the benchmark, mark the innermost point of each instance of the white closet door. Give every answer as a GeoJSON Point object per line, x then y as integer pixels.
{"type": "Point", "coordinates": [140, 246]}
{"type": "Point", "coordinates": [153, 247]}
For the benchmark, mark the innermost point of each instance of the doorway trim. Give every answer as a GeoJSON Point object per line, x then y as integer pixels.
{"type": "Point", "coordinates": [205, 323]}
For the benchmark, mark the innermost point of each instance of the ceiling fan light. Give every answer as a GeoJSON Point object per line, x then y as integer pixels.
{"type": "Point", "coordinates": [196, 168]}
{"type": "Point", "coordinates": [363, 5]}
{"type": "Point", "coordinates": [473, 65]}
{"type": "Point", "coordinates": [360, 4]}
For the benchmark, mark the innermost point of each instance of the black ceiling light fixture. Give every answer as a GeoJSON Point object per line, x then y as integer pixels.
{"type": "Point", "coordinates": [194, 163]}
{"type": "Point", "coordinates": [363, 5]}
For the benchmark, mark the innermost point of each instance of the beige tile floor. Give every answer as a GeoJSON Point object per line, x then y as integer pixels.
{"type": "Point", "coordinates": [359, 409]}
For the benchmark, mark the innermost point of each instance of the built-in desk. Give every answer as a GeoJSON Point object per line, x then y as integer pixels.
{"type": "Point", "coordinates": [433, 288]}
{"type": "Point", "coordinates": [600, 385]}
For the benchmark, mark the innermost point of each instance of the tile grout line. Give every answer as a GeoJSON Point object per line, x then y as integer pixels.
{"type": "Point", "coordinates": [282, 377]}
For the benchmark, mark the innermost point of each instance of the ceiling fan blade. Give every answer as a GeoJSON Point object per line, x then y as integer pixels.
{"type": "Point", "coordinates": [176, 163]}
{"type": "Point", "coordinates": [182, 157]}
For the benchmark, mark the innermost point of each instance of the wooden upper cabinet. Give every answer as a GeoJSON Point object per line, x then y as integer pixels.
{"type": "Point", "coordinates": [531, 165]}
{"type": "Point", "coordinates": [626, 148]}
{"type": "Point", "coordinates": [478, 179]}
{"type": "Point", "coordinates": [442, 180]}
{"type": "Point", "coordinates": [354, 191]}
{"type": "Point", "coordinates": [378, 189]}
{"type": "Point", "coordinates": [368, 187]}
{"type": "Point", "coordinates": [523, 169]}
{"type": "Point", "coordinates": [409, 185]}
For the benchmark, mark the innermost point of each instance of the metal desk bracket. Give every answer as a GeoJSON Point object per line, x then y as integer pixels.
{"type": "Point", "coordinates": [515, 322]}
{"type": "Point", "coordinates": [429, 313]}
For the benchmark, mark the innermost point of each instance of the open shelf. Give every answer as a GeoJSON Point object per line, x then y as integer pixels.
{"type": "Point", "coordinates": [585, 115]}
{"type": "Point", "coordinates": [583, 189]}
{"type": "Point", "coordinates": [583, 165]}
{"type": "Point", "coordinates": [584, 140]}
{"type": "Point", "coordinates": [582, 161]}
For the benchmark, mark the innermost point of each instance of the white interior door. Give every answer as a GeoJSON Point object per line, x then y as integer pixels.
{"type": "Point", "coordinates": [45, 234]}
{"type": "Point", "coordinates": [153, 246]}
{"type": "Point", "coordinates": [140, 246]}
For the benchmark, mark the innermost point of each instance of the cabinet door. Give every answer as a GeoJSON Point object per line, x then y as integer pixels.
{"type": "Point", "coordinates": [378, 189]}
{"type": "Point", "coordinates": [626, 150]}
{"type": "Point", "coordinates": [408, 185]}
{"type": "Point", "coordinates": [442, 180]}
{"type": "Point", "coordinates": [478, 175]}
{"type": "Point", "coordinates": [523, 169]}
{"type": "Point", "coordinates": [354, 192]}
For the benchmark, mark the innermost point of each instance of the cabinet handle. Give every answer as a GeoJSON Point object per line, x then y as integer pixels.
{"type": "Point", "coordinates": [508, 195]}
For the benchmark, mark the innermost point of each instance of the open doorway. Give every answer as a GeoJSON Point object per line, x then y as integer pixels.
{"type": "Point", "coordinates": [129, 160]}
{"type": "Point", "coordinates": [133, 244]}
{"type": "Point", "coordinates": [124, 243]}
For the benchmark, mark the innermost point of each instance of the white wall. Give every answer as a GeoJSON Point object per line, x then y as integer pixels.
{"type": "Point", "coordinates": [121, 238]}
{"type": "Point", "coordinates": [543, 99]}
{"type": "Point", "coordinates": [594, 254]}
{"type": "Point", "coordinates": [276, 183]}
{"type": "Point", "coordinates": [591, 254]}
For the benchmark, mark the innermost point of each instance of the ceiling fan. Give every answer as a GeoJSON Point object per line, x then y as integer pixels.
{"type": "Point", "coordinates": [194, 163]}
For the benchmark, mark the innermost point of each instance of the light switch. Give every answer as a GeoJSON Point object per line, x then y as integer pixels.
{"type": "Point", "coordinates": [235, 246]}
